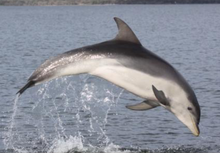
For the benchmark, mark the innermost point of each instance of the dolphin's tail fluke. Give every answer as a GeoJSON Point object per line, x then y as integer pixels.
{"type": "Point", "coordinates": [28, 85]}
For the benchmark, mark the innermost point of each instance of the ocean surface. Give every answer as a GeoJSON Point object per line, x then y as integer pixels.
{"type": "Point", "coordinates": [83, 113]}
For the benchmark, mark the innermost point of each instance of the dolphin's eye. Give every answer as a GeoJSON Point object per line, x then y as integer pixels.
{"type": "Point", "coordinates": [189, 108]}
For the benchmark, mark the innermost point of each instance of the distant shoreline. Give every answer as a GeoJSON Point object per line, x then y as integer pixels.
{"type": "Point", "coordinates": [100, 2]}
{"type": "Point", "coordinates": [115, 4]}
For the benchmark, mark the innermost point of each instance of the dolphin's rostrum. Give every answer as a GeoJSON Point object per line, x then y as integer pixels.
{"type": "Point", "coordinates": [126, 63]}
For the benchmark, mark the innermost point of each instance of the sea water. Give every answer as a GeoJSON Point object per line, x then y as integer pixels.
{"type": "Point", "coordinates": [83, 113]}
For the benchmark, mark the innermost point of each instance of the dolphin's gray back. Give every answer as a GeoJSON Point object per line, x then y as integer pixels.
{"type": "Point", "coordinates": [131, 55]}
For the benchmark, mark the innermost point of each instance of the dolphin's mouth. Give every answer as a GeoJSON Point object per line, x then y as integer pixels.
{"type": "Point", "coordinates": [195, 129]}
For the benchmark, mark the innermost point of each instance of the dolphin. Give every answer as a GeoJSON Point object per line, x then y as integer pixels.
{"type": "Point", "coordinates": [126, 63]}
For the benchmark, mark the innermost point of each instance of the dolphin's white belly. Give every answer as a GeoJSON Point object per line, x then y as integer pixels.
{"type": "Point", "coordinates": [137, 82]}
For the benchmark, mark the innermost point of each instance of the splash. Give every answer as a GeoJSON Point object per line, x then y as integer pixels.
{"type": "Point", "coordinates": [73, 120]}
{"type": "Point", "coordinates": [9, 136]}
{"type": "Point", "coordinates": [64, 145]}
{"type": "Point", "coordinates": [75, 145]}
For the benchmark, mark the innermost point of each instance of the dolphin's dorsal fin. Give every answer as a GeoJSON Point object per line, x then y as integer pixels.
{"type": "Point", "coordinates": [124, 32]}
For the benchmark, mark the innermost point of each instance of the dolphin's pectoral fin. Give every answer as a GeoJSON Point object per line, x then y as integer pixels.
{"type": "Point", "coordinates": [145, 105]}
{"type": "Point", "coordinates": [160, 96]}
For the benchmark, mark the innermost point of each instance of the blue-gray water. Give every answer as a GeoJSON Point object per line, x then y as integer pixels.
{"type": "Point", "coordinates": [87, 114]}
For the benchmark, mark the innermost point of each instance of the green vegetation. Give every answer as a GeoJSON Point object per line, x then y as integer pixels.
{"type": "Point", "coordinates": [88, 2]}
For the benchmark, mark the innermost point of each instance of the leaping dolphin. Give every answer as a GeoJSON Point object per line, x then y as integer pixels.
{"type": "Point", "coordinates": [126, 63]}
